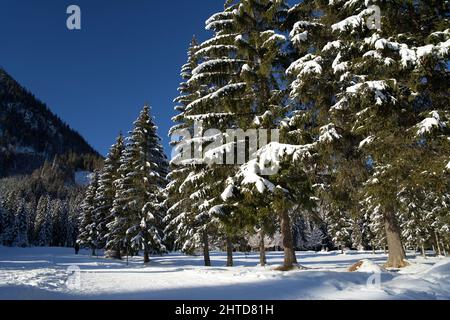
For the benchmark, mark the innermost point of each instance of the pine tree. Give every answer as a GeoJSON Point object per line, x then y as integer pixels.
{"type": "Point", "coordinates": [59, 217]}
{"type": "Point", "coordinates": [106, 192]}
{"type": "Point", "coordinates": [182, 228]}
{"type": "Point", "coordinates": [88, 234]}
{"type": "Point", "coordinates": [21, 226]}
{"type": "Point", "coordinates": [31, 219]}
{"type": "Point", "coordinates": [138, 210]}
{"type": "Point", "coordinates": [43, 226]}
{"type": "Point", "coordinates": [242, 66]}
{"type": "Point", "coordinates": [75, 213]}
{"type": "Point", "coordinates": [315, 238]}
{"type": "Point", "coordinates": [8, 220]}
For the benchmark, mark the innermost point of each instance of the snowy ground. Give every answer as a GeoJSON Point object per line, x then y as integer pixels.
{"type": "Point", "coordinates": [42, 273]}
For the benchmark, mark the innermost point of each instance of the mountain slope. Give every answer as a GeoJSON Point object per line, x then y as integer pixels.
{"type": "Point", "coordinates": [30, 133]}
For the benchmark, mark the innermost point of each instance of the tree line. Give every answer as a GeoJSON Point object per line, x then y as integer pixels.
{"type": "Point", "coordinates": [45, 220]}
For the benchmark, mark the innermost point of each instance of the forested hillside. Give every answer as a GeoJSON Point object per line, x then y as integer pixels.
{"type": "Point", "coordinates": [30, 133]}
{"type": "Point", "coordinates": [40, 159]}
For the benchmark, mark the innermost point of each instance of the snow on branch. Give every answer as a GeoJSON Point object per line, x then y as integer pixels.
{"type": "Point", "coordinates": [352, 23]}
{"type": "Point", "coordinates": [379, 88]}
{"type": "Point", "coordinates": [430, 123]}
{"type": "Point", "coordinates": [252, 172]}
{"type": "Point", "coordinates": [366, 141]}
{"type": "Point", "coordinates": [411, 56]}
{"type": "Point", "coordinates": [215, 64]}
{"type": "Point", "coordinates": [309, 64]}
{"type": "Point", "coordinates": [329, 134]}
{"type": "Point", "coordinates": [251, 176]}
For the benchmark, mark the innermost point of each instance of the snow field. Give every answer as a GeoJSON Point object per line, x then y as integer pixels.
{"type": "Point", "coordinates": [42, 273]}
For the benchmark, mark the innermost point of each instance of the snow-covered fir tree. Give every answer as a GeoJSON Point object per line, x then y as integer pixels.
{"type": "Point", "coordinates": [138, 208]}
{"type": "Point", "coordinates": [21, 226]}
{"type": "Point", "coordinates": [43, 226]}
{"type": "Point", "coordinates": [8, 219]}
{"type": "Point", "coordinates": [360, 81]}
{"type": "Point", "coordinates": [241, 70]}
{"type": "Point", "coordinates": [106, 192]}
{"type": "Point", "coordinates": [88, 234]}
{"type": "Point", "coordinates": [183, 229]}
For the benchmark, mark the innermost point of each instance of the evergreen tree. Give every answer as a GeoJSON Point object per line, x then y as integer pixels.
{"type": "Point", "coordinates": [106, 192]}
{"type": "Point", "coordinates": [315, 238]}
{"type": "Point", "coordinates": [59, 217]}
{"type": "Point", "coordinates": [75, 212]}
{"type": "Point", "coordinates": [43, 226]}
{"type": "Point", "coordinates": [21, 226]}
{"type": "Point", "coordinates": [363, 88]}
{"type": "Point", "coordinates": [9, 220]}
{"type": "Point", "coordinates": [240, 70]}
{"type": "Point", "coordinates": [182, 228]}
{"type": "Point", "coordinates": [138, 210]}
{"type": "Point", "coordinates": [88, 234]}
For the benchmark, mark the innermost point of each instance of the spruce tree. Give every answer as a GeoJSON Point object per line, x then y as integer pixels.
{"type": "Point", "coordinates": [138, 206]}
{"type": "Point", "coordinates": [43, 226]}
{"type": "Point", "coordinates": [363, 88]}
{"type": "Point", "coordinates": [8, 220]}
{"type": "Point", "coordinates": [88, 234]}
{"type": "Point", "coordinates": [106, 192]}
{"type": "Point", "coordinates": [242, 66]}
{"type": "Point", "coordinates": [21, 226]}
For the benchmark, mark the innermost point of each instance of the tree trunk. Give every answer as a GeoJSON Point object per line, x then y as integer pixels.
{"type": "Point", "coordinates": [262, 249]}
{"type": "Point", "coordinates": [206, 257]}
{"type": "Point", "coordinates": [397, 256]}
{"type": "Point", "coordinates": [146, 254]}
{"type": "Point", "coordinates": [229, 252]}
{"type": "Point", "coordinates": [288, 242]}
{"type": "Point", "coordinates": [294, 256]}
{"type": "Point", "coordinates": [439, 252]}
{"type": "Point", "coordinates": [424, 254]}
{"type": "Point", "coordinates": [118, 253]}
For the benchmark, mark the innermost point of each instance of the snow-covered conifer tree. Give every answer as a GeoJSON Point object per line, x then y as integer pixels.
{"type": "Point", "coordinates": [43, 226]}
{"type": "Point", "coordinates": [366, 85]}
{"type": "Point", "coordinates": [8, 220]}
{"type": "Point", "coordinates": [88, 234]}
{"type": "Point", "coordinates": [138, 206]}
{"type": "Point", "coordinates": [181, 226]}
{"type": "Point", "coordinates": [106, 192]}
{"type": "Point", "coordinates": [21, 226]}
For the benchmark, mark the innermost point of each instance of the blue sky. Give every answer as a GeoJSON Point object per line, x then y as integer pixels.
{"type": "Point", "coordinates": [97, 79]}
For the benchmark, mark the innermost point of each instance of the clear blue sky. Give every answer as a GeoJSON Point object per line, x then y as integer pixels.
{"type": "Point", "coordinates": [98, 79]}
